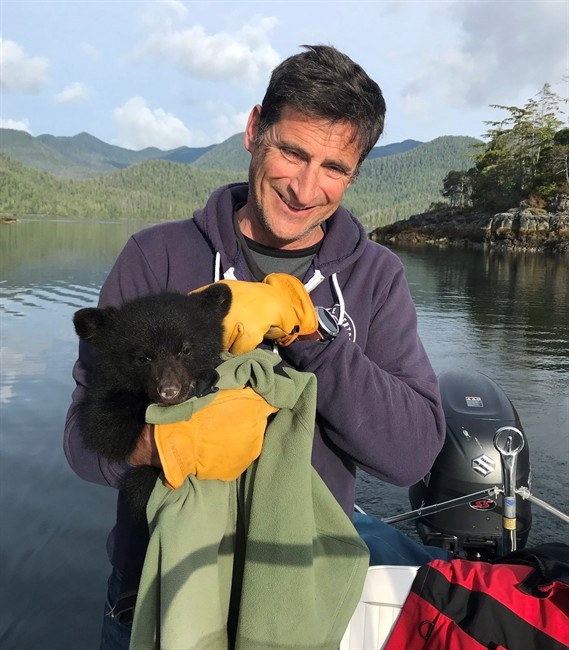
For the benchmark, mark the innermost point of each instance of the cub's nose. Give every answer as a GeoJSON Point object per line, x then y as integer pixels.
{"type": "Point", "coordinates": [169, 392]}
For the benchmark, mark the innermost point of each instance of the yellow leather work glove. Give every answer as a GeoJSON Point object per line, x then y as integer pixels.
{"type": "Point", "coordinates": [219, 441]}
{"type": "Point", "coordinates": [278, 308]}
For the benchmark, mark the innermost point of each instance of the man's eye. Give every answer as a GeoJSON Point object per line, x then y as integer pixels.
{"type": "Point", "coordinates": [335, 172]}
{"type": "Point", "coordinates": [290, 154]}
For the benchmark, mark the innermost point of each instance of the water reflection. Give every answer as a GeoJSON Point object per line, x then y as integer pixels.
{"type": "Point", "coordinates": [517, 305]}
{"type": "Point", "coordinates": [527, 287]}
{"type": "Point", "coordinates": [16, 301]}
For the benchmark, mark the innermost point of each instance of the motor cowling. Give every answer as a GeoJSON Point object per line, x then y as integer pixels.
{"type": "Point", "coordinates": [475, 407]}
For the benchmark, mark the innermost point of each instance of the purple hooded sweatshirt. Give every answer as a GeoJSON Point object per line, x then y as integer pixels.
{"type": "Point", "coordinates": [378, 403]}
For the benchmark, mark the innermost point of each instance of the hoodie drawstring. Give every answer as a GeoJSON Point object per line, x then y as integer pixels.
{"type": "Point", "coordinates": [340, 297]}
{"type": "Point", "coordinates": [228, 275]}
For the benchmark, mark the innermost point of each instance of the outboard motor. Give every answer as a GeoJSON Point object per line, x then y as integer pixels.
{"type": "Point", "coordinates": [474, 407]}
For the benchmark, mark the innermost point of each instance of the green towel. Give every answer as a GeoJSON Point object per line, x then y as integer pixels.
{"type": "Point", "coordinates": [269, 561]}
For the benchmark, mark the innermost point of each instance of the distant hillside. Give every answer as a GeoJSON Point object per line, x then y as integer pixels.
{"type": "Point", "coordinates": [388, 188]}
{"type": "Point", "coordinates": [186, 155]}
{"type": "Point", "coordinates": [34, 153]}
{"type": "Point", "coordinates": [156, 189]}
{"type": "Point", "coordinates": [391, 149]}
{"type": "Point", "coordinates": [83, 155]}
{"type": "Point", "coordinates": [229, 154]}
{"type": "Point", "coordinates": [397, 186]}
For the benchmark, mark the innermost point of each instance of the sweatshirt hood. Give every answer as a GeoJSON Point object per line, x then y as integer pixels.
{"type": "Point", "coordinates": [215, 221]}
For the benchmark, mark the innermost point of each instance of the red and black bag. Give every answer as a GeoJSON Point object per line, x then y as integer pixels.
{"type": "Point", "coordinates": [519, 602]}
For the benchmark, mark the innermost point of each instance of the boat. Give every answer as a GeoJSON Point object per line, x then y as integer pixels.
{"type": "Point", "coordinates": [475, 502]}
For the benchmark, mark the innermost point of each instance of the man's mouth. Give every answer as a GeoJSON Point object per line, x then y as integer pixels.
{"type": "Point", "coordinates": [292, 207]}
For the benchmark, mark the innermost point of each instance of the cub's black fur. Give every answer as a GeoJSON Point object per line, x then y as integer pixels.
{"type": "Point", "coordinates": [160, 348]}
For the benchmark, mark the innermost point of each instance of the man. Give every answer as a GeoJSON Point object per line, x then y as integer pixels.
{"type": "Point", "coordinates": [378, 401]}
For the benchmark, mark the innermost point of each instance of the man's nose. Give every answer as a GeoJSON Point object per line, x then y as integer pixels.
{"type": "Point", "coordinates": [304, 185]}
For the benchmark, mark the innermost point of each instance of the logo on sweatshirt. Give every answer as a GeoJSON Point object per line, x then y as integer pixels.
{"type": "Point", "coordinates": [348, 323]}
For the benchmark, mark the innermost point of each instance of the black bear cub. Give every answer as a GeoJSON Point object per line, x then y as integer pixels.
{"type": "Point", "coordinates": [160, 348]}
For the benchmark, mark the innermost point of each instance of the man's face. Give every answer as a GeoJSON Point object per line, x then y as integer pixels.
{"type": "Point", "coordinates": [298, 175]}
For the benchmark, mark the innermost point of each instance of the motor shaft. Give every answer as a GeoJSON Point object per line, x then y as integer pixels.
{"type": "Point", "coordinates": [509, 441]}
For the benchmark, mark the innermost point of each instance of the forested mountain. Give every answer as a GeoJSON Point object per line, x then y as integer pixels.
{"type": "Point", "coordinates": [32, 152]}
{"type": "Point", "coordinates": [156, 189]}
{"type": "Point", "coordinates": [388, 187]}
{"type": "Point", "coordinates": [186, 155]}
{"type": "Point", "coordinates": [83, 155]}
{"type": "Point", "coordinates": [229, 154]}
{"type": "Point", "coordinates": [395, 187]}
{"type": "Point", "coordinates": [390, 149]}
{"type": "Point", "coordinates": [87, 151]}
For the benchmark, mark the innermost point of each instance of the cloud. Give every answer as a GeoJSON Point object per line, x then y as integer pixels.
{"type": "Point", "coordinates": [505, 53]}
{"type": "Point", "coordinates": [17, 125]}
{"type": "Point", "coordinates": [511, 46]}
{"type": "Point", "coordinates": [90, 51]}
{"type": "Point", "coordinates": [162, 13]}
{"type": "Point", "coordinates": [20, 72]}
{"type": "Point", "coordinates": [416, 104]}
{"type": "Point", "coordinates": [140, 126]}
{"type": "Point", "coordinates": [227, 120]}
{"type": "Point", "coordinates": [74, 93]}
{"type": "Point", "coordinates": [244, 55]}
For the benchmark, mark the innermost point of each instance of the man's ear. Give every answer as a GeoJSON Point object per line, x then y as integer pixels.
{"type": "Point", "coordinates": [252, 128]}
{"type": "Point", "coordinates": [90, 321]}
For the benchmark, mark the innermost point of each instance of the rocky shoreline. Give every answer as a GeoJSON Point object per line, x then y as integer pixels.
{"type": "Point", "coordinates": [523, 229]}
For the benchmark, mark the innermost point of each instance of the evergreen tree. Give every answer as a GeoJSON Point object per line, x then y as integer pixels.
{"type": "Point", "coordinates": [526, 156]}
{"type": "Point", "coordinates": [559, 158]}
{"type": "Point", "coordinates": [457, 188]}
{"type": "Point", "coordinates": [516, 161]}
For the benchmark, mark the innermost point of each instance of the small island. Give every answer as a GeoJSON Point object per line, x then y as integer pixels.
{"type": "Point", "coordinates": [8, 219]}
{"type": "Point", "coordinates": [522, 228]}
{"type": "Point", "coordinates": [515, 197]}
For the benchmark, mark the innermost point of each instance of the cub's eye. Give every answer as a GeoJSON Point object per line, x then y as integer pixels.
{"type": "Point", "coordinates": [141, 359]}
{"type": "Point", "coordinates": [186, 350]}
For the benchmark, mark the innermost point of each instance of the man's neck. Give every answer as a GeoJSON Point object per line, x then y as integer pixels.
{"type": "Point", "coordinates": [262, 259]}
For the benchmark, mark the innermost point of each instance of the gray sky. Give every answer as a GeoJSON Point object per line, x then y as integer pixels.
{"type": "Point", "coordinates": [170, 73]}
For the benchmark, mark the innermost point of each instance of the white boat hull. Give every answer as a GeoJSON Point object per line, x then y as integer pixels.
{"type": "Point", "coordinates": [385, 590]}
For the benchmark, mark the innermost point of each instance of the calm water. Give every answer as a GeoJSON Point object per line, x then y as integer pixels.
{"type": "Point", "coordinates": [504, 315]}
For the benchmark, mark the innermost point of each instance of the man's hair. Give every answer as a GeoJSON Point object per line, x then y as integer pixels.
{"type": "Point", "coordinates": [323, 83]}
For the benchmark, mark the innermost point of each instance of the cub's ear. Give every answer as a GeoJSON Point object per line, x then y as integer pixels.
{"type": "Point", "coordinates": [90, 321]}
{"type": "Point", "coordinates": [216, 297]}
